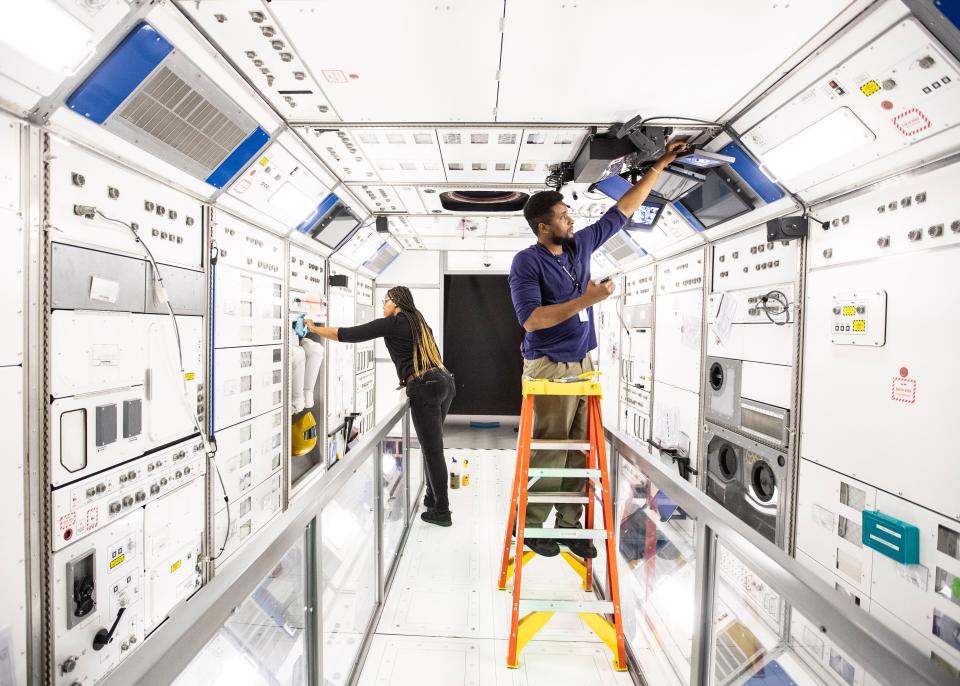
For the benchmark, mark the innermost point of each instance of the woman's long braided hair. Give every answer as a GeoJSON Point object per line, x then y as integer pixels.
{"type": "Point", "coordinates": [426, 355]}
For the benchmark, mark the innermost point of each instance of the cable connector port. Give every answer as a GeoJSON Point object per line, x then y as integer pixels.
{"type": "Point", "coordinates": [88, 211]}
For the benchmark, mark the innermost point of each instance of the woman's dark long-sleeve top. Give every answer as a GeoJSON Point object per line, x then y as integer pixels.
{"type": "Point", "coordinates": [396, 334]}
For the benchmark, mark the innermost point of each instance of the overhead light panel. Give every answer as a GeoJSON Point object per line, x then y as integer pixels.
{"type": "Point", "coordinates": [48, 35]}
{"type": "Point", "coordinates": [292, 203]}
{"type": "Point", "coordinates": [828, 139]}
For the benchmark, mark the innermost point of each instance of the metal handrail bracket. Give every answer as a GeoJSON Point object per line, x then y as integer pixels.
{"type": "Point", "coordinates": [170, 649]}
{"type": "Point", "coordinates": [889, 658]}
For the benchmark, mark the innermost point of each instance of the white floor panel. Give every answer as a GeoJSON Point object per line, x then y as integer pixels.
{"type": "Point", "coordinates": [558, 664]}
{"type": "Point", "coordinates": [413, 661]}
{"type": "Point", "coordinates": [444, 621]}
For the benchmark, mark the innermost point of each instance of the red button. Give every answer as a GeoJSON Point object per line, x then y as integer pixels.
{"type": "Point", "coordinates": [904, 371]}
{"type": "Point", "coordinates": [887, 105]}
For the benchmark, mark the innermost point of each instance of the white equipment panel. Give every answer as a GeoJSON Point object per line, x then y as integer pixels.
{"type": "Point", "coordinates": [307, 274]}
{"type": "Point", "coordinates": [11, 285]}
{"type": "Point", "coordinates": [340, 372]}
{"type": "Point", "coordinates": [167, 221]}
{"type": "Point", "coordinates": [749, 259]}
{"type": "Point", "coordinates": [248, 515]}
{"type": "Point", "coordinates": [10, 180]}
{"type": "Point", "coordinates": [677, 339]}
{"type": "Point", "coordinates": [248, 454]}
{"type": "Point", "coordinates": [635, 411]}
{"type": "Point", "coordinates": [833, 664]}
{"type": "Point", "coordinates": [243, 246]}
{"type": "Point", "coordinates": [897, 90]}
{"type": "Point", "coordinates": [364, 291]}
{"type": "Point", "coordinates": [280, 186]}
{"type": "Point", "coordinates": [916, 213]}
{"type": "Point", "coordinates": [925, 596]}
{"type": "Point", "coordinates": [13, 568]}
{"type": "Point", "coordinates": [676, 417]}
{"type": "Point", "coordinates": [737, 326]}
{"type": "Point", "coordinates": [248, 308]}
{"type": "Point", "coordinates": [89, 505]}
{"type": "Point", "coordinates": [173, 543]}
{"type": "Point", "coordinates": [126, 394]}
{"type": "Point", "coordinates": [860, 318]}
{"type": "Point", "coordinates": [897, 398]}
{"type": "Point", "coordinates": [248, 383]}
{"type": "Point", "coordinates": [609, 354]}
{"type": "Point", "coordinates": [95, 351]}
{"type": "Point", "coordinates": [829, 513]}
{"type": "Point", "coordinates": [94, 581]}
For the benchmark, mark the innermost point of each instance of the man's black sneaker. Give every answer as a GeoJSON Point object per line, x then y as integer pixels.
{"type": "Point", "coordinates": [581, 547]}
{"type": "Point", "coordinates": [547, 547]}
{"type": "Point", "coordinates": [429, 502]}
{"type": "Point", "coordinates": [438, 518]}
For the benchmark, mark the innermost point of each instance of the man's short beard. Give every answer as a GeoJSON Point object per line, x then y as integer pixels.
{"type": "Point", "coordinates": [562, 240]}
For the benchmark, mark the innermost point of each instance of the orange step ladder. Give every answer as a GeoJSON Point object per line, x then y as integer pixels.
{"type": "Point", "coordinates": [539, 611]}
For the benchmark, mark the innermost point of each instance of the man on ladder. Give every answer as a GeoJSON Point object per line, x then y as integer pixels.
{"type": "Point", "coordinates": [553, 297]}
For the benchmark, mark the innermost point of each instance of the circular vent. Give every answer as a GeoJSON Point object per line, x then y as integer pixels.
{"type": "Point", "coordinates": [483, 201]}
{"type": "Point", "coordinates": [764, 481]}
{"type": "Point", "coordinates": [727, 461]}
{"type": "Point", "coordinates": [716, 376]}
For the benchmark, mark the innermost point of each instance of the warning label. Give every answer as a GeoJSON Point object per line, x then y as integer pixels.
{"type": "Point", "coordinates": [911, 122]}
{"type": "Point", "coordinates": [68, 520]}
{"type": "Point", "coordinates": [903, 390]}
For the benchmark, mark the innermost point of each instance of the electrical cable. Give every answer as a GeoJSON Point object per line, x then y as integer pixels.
{"type": "Point", "coordinates": [161, 293]}
{"type": "Point", "coordinates": [690, 119]}
{"type": "Point", "coordinates": [780, 298]}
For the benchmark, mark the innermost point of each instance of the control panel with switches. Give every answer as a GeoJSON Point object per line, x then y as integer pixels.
{"type": "Point", "coordinates": [98, 602]}
{"type": "Point", "coordinates": [84, 507]}
{"type": "Point", "coordinates": [88, 192]}
{"type": "Point", "coordinates": [859, 319]}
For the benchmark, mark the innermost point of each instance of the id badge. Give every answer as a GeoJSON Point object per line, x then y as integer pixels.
{"type": "Point", "coordinates": [585, 315]}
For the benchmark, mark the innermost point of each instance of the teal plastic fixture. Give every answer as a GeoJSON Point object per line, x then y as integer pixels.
{"type": "Point", "coordinates": [892, 537]}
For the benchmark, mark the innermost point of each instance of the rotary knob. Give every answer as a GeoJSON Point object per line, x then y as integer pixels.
{"type": "Point", "coordinates": [68, 665]}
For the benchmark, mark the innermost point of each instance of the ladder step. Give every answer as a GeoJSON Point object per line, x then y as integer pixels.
{"type": "Point", "coordinates": [560, 497]}
{"type": "Point", "coordinates": [559, 444]}
{"type": "Point", "coordinates": [565, 533]}
{"type": "Point", "coordinates": [562, 472]}
{"type": "Point", "coordinates": [603, 607]}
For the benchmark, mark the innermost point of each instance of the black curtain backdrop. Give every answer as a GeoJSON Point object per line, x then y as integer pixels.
{"type": "Point", "coordinates": [481, 344]}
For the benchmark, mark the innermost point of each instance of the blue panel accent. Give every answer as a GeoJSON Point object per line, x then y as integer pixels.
{"type": "Point", "coordinates": [686, 214]}
{"type": "Point", "coordinates": [319, 213]}
{"type": "Point", "coordinates": [239, 158]}
{"type": "Point", "coordinates": [771, 674]}
{"type": "Point", "coordinates": [750, 172]}
{"type": "Point", "coordinates": [950, 9]}
{"type": "Point", "coordinates": [892, 537]}
{"type": "Point", "coordinates": [120, 74]}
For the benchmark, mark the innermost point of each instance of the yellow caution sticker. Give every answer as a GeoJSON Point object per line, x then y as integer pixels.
{"type": "Point", "coordinates": [264, 161]}
{"type": "Point", "coordinates": [849, 310]}
{"type": "Point", "coordinates": [869, 88]}
{"type": "Point", "coordinates": [860, 325]}
{"type": "Point", "coordinates": [118, 560]}
{"type": "Point", "coordinates": [190, 376]}
{"type": "Point", "coordinates": [175, 566]}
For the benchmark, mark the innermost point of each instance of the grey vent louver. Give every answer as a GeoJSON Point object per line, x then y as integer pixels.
{"type": "Point", "coordinates": [173, 113]}
{"type": "Point", "coordinates": [620, 249]}
{"type": "Point", "coordinates": [384, 256]}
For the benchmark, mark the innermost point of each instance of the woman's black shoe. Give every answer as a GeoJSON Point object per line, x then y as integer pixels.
{"type": "Point", "coordinates": [438, 518]}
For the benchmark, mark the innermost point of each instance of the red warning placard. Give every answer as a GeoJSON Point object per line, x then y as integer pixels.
{"type": "Point", "coordinates": [903, 390]}
{"type": "Point", "coordinates": [912, 121]}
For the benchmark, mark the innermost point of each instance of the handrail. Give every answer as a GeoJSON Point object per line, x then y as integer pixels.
{"type": "Point", "coordinates": [888, 657]}
{"type": "Point", "coordinates": [171, 648]}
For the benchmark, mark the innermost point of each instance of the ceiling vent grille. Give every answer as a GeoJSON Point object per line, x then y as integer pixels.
{"type": "Point", "coordinates": [382, 258]}
{"type": "Point", "coordinates": [173, 113]}
{"type": "Point", "coordinates": [150, 95]}
{"type": "Point", "coordinates": [621, 249]}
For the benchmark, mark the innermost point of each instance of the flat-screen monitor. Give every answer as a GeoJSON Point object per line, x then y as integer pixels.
{"type": "Point", "coordinates": [644, 218]}
{"type": "Point", "coordinates": [715, 200]}
{"type": "Point", "coordinates": [704, 159]}
{"type": "Point", "coordinates": [334, 227]}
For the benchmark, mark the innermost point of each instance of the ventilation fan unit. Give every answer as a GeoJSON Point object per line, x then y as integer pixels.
{"type": "Point", "coordinates": [152, 96]}
{"type": "Point", "coordinates": [382, 258]}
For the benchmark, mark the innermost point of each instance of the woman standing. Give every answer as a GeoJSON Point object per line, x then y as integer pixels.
{"type": "Point", "coordinates": [429, 385]}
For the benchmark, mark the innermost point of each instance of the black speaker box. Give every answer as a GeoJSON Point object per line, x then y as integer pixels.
{"type": "Point", "coordinates": [787, 228]}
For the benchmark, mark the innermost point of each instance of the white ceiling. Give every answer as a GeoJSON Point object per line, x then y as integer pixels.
{"type": "Point", "coordinates": [404, 100]}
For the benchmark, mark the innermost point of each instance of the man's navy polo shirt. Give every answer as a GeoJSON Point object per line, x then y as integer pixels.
{"type": "Point", "coordinates": [537, 277]}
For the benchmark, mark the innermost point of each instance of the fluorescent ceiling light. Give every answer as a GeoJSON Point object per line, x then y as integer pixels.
{"type": "Point", "coordinates": [292, 203]}
{"type": "Point", "coordinates": [48, 35]}
{"type": "Point", "coordinates": [830, 138]}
